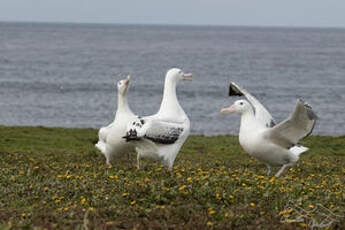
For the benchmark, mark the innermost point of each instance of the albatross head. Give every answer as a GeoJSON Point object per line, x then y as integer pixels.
{"type": "Point", "coordinates": [176, 75]}
{"type": "Point", "coordinates": [122, 85]}
{"type": "Point", "coordinates": [239, 107]}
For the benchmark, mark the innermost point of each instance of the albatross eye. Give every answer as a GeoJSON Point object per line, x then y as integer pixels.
{"type": "Point", "coordinates": [241, 103]}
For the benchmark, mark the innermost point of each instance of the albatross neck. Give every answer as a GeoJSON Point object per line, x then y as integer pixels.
{"type": "Point", "coordinates": [122, 104]}
{"type": "Point", "coordinates": [170, 107]}
{"type": "Point", "coordinates": [247, 120]}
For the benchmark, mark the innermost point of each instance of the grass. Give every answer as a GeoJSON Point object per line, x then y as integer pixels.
{"type": "Point", "coordinates": [55, 178]}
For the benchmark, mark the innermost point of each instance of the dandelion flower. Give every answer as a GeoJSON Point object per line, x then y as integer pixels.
{"type": "Point", "coordinates": [182, 187]}
{"type": "Point", "coordinates": [109, 223]}
{"type": "Point", "coordinates": [211, 212]}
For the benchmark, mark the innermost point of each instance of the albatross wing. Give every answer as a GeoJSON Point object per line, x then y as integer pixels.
{"type": "Point", "coordinates": [158, 131]}
{"type": "Point", "coordinates": [299, 125]}
{"type": "Point", "coordinates": [261, 113]}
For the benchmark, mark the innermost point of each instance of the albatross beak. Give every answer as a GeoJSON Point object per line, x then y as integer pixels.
{"type": "Point", "coordinates": [187, 76]}
{"type": "Point", "coordinates": [230, 109]}
{"type": "Point", "coordinates": [127, 80]}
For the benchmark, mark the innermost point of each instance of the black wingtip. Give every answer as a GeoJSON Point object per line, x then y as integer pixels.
{"type": "Point", "coordinates": [127, 138]}
{"type": "Point", "coordinates": [131, 136]}
{"type": "Point", "coordinates": [234, 91]}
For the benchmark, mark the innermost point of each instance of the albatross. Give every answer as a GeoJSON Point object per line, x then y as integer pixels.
{"type": "Point", "coordinates": [260, 136]}
{"type": "Point", "coordinates": [110, 141]}
{"type": "Point", "coordinates": [160, 136]}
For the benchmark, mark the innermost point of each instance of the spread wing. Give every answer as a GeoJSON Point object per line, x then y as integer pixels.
{"type": "Point", "coordinates": [299, 125]}
{"type": "Point", "coordinates": [261, 113]}
{"type": "Point", "coordinates": [158, 131]}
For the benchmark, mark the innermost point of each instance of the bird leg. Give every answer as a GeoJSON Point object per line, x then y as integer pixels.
{"type": "Point", "coordinates": [282, 169]}
{"type": "Point", "coordinates": [269, 170]}
{"type": "Point", "coordinates": [170, 166]}
{"type": "Point", "coordinates": [107, 161]}
{"type": "Point", "coordinates": [138, 161]}
{"type": "Point", "coordinates": [128, 159]}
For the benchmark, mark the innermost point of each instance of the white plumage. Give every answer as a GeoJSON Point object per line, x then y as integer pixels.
{"type": "Point", "coordinates": [111, 143]}
{"type": "Point", "coordinates": [261, 138]}
{"type": "Point", "coordinates": [161, 136]}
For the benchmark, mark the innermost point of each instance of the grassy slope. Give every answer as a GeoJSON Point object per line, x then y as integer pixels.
{"type": "Point", "coordinates": [55, 178]}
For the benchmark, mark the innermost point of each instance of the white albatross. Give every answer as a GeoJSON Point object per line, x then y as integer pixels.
{"type": "Point", "coordinates": [161, 135]}
{"type": "Point", "coordinates": [110, 141]}
{"type": "Point", "coordinates": [261, 138]}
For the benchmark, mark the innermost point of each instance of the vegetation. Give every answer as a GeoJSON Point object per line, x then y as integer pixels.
{"type": "Point", "coordinates": [56, 178]}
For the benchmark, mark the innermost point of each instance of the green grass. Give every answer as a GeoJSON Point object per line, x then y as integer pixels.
{"type": "Point", "coordinates": [55, 178]}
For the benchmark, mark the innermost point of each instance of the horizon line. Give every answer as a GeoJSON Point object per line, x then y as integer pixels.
{"type": "Point", "coordinates": [172, 24]}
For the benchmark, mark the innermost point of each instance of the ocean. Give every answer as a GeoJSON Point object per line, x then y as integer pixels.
{"type": "Point", "coordinates": [65, 74]}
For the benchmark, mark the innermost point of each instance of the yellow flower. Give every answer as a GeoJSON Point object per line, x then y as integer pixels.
{"type": "Point", "coordinates": [125, 194]}
{"type": "Point", "coordinates": [158, 169]}
{"type": "Point", "coordinates": [311, 206]}
{"type": "Point", "coordinates": [231, 197]}
{"type": "Point", "coordinates": [211, 212]}
{"type": "Point", "coordinates": [82, 200]}
{"type": "Point", "coordinates": [252, 204]}
{"type": "Point", "coordinates": [209, 223]}
{"type": "Point", "coordinates": [23, 214]}
{"type": "Point", "coordinates": [189, 179]}
{"type": "Point", "coordinates": [286, 211]}
{"type": "Point", "coordinates": [109, 223]}
{"type": "Point", "coordinates": [182, 187]}
{"type": "Point", "coordinates": [133, 202]}
{"type": "Point", "coordinates": [90, 209]}
{"type": "Point", "coordinates": [166, 189]}
{"type": "Point", "coordinates": [303, 225]}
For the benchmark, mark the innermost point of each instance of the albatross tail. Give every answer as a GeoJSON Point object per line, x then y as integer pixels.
{"type": "Point", "coordinates": [298, 150]}
{"type": "Point", "coordinates": [101, 146]}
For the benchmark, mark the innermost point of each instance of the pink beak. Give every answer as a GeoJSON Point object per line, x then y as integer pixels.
{"type": "Point", "coordinates": [126, 82]}
{"type": "Point", "coordinates": [187, 76]}
{"type": "Point", "coordinates": [230, 109]}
